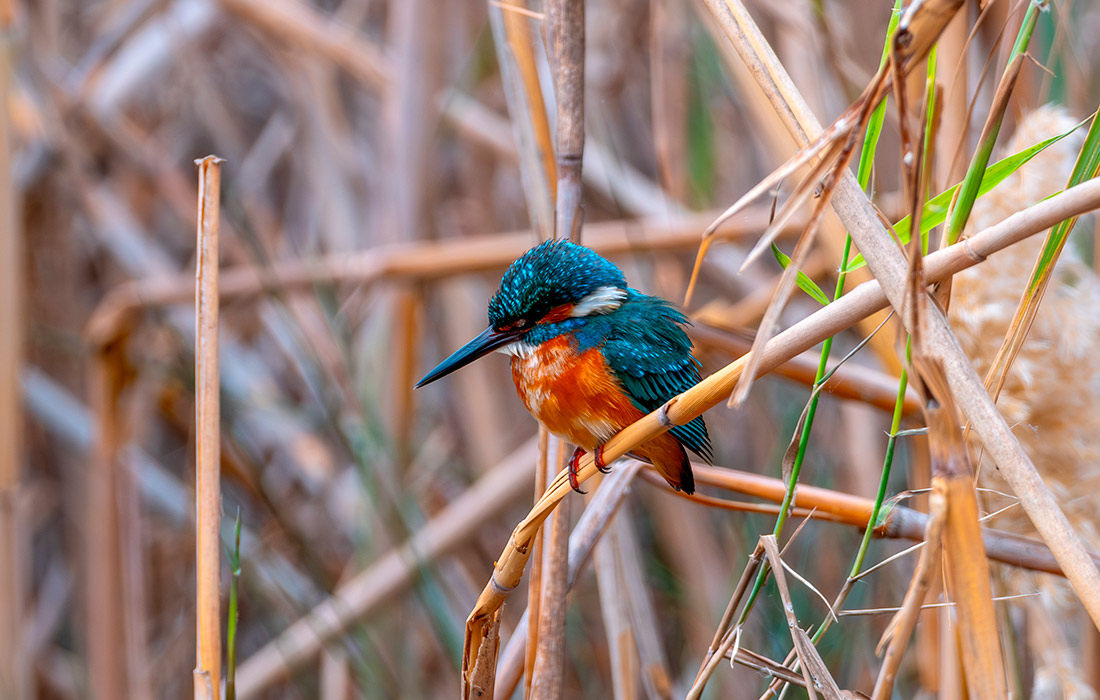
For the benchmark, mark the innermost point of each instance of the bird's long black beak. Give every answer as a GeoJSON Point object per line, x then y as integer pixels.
{"type": "Point", "coordinates": [487, 341]}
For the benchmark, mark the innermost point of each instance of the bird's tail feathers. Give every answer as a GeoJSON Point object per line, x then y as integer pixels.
{"type": "Point", "coordinates": [670, 459]}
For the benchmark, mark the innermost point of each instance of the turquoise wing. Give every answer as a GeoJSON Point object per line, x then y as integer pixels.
{"type": "Point", "coordinates": [651, 356]}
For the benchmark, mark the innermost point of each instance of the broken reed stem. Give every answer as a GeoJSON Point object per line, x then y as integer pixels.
{"type": "Point", "coordinates": [208, 497]}
{"type": "Point", "coordinates": [901, 627]}
{"type": "Point", "coordinates": [857, 304]}
{"type": "Point", "coordinates": [723, 636]}
{"type": "Point", "coordinates": [965, 564]}
{"type": "Point", "coordinates": [814, 671]}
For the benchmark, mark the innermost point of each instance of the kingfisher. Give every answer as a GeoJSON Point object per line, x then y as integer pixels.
{"type": "Point", "coordinates": [590, 356]}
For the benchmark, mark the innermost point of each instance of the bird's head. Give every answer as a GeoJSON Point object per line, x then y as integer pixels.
{"type": "Point", "coordinates": [548, 285]}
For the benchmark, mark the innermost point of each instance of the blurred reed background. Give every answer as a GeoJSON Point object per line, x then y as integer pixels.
{"type": "Point", "coordinates": [381, 169]}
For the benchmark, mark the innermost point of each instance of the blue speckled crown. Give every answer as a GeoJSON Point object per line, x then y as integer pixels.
{"type": "Point", "coordinates": [551, 274]}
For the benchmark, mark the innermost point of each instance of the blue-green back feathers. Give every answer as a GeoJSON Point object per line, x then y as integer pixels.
{"type": "Point", "coordinates": [651, 356]}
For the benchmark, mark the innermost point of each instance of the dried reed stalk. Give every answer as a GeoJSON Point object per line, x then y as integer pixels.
{"type": "Point", "coordinates": [612, 586]}
{"type": "Point", "coordinates": [670, 53]}
{"type": "Point", "coordinates": [107, 381]}
{"type": "Point", "coordinates": [965, 563]}
{"type": "Point", "coordinates": [515, 46]}
{"type": "Point", "coordinates": [406, 333]}
{"type": "Point", "coordinates": [13, 676]}
{"type": "Point", "coordinates": [814, 672]}
{"type": "Point", "coordinates": [896, 636]}
{"type": "Point", "coordinates": [534, 581]}
{"type": "Point", "coordinates": [860, 302]}
{"type": "Point", "coordinates": [567, 43]}
{"type": "Point", "coordinates": [548, 672]}
{"type": "Point", "coordinates": [412, 118]}
{"type": "Point", "coordinates": [566, 28]}
{"type": "Point", "coordinates": [588, 531]}
{"type": "Point", "coordinates": [835, 506]}
{"type": "Point", "coordinates": [923, 21]}
{"type": "Point", "coordinates": [849, 381]}
{"type": "Point", "coordinates": [208, 495]}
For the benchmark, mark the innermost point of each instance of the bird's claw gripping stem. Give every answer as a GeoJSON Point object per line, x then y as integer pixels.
{"type": "Point", "coordinates": [574, 466]}
{"type": "Point", "coordinates": [604, 469]}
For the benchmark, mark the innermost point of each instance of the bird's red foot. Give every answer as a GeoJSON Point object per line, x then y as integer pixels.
{"type": "Point", "coordinates": [604, 469]}
{"type": "Point", "coordinates": [574, 461]}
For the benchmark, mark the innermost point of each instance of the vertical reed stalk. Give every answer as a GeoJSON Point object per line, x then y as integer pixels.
{"type": "Point", "coordinates": [534, 580]}
{"type": "Point", "coordinates": [11, 340]}
{"type": "Point", "coordinates": [208, 497]}
{"type": "Point", "coordinates": [547, 678]}
{"type": "Point", "coordinates": [104, 636]}
{"type": "Point", "coordinates": [567, 30]}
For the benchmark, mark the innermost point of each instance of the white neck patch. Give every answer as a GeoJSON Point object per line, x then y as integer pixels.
{"type": "Point", "coordinates": [517, 349]}
{"type": "Point", "coordinates": [599, 301]}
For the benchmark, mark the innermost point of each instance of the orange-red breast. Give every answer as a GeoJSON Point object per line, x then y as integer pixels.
{"type": "Point", "coordinates": [590, 355]}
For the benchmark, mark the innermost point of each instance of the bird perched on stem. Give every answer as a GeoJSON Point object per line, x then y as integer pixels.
{"type": "Point", "coordinates": [590, 355]}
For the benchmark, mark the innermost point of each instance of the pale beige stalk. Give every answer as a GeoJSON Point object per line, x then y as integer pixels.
{"type": "Point", "coordinates": [208, 496]}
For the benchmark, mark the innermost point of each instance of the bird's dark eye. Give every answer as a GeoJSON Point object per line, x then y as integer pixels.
{"type": "Point", "coordinates": [519, 324]}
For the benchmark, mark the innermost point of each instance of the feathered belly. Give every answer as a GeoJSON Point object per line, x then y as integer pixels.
{"type": "Point", "coordinates": [574, 395]}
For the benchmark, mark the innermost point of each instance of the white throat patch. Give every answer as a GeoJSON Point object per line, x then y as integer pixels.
{"type": "Point", "coordinates": [599, 301]}
{"type": "Point", "coordinates": [517, 349]}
